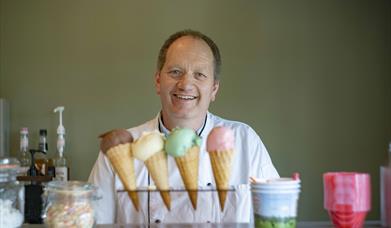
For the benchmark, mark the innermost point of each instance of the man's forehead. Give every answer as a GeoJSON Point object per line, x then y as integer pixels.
{"type": "Point", "coordinates": [188, 43]}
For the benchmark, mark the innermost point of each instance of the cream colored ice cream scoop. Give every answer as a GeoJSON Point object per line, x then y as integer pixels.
{"type": "Point", "coordinates": [147, 145]}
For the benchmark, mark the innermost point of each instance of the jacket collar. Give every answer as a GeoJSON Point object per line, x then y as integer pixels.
{"type": "Point", "coordinates": [200, 132]}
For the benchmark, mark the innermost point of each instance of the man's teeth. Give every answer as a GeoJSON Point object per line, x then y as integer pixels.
{"type": "Point", "coordinates": [185, 97]}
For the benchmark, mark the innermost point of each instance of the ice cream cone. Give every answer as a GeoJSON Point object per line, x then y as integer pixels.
{"type": "Point", "coordinates": [220, 145]}
{"type": "Point", "coordinates": [188, 168]}
{"type": "Point", "coordinates": [122, 161]}
{"type": "Point", "coordinates": [157, 167]}
{"type": "Point", "coordinates": [116, 145]}
{"type": "Point", "coordinates": [184, 145]}
{"type": "Point", "coordinates": [221, 162]}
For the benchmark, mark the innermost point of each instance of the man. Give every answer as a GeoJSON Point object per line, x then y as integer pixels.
{"type": "Point", "coordinates": [187, 80]}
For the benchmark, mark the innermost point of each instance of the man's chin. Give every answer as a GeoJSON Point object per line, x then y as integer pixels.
{"type": "Point", "coordinates": [183, 115]}
{"type": "Point", "coordinates": [185, 112]}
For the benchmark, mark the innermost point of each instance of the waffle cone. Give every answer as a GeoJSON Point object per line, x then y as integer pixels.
{"type": "Point", "coordinates": [121, 159]}
{"type": "Point", "coordinates": [157, 167]}
{"type": "Point", "coordinates": [221, 162]}
{"type": "Point", "coordinates": [188, 168]}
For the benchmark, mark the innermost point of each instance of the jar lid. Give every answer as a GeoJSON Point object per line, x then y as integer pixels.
{"type": "Point", "coordinates": [71, 187]}
{"type": "Point", "coordinates": [9, 168]}
{"type": "Point", "coordinates": [9, 163]}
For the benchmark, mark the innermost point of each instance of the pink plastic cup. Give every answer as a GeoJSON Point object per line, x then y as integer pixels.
{"type": "Point", "coordinates": [347, 198]}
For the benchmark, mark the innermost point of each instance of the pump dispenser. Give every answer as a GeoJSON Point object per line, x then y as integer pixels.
{"type": "Point", "coordinates": [61, 169]}
{"type": "Point", "coordinates": [60, 131]}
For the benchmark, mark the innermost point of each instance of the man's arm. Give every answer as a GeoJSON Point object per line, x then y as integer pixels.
{"type": "Point", "coordinates": [102, 175]}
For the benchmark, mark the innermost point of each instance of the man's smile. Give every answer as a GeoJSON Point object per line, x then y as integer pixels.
{"type": "Point", "coordinates": [184, 97]}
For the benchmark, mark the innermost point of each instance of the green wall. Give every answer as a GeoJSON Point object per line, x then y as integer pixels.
{"type": "Point", "coordinates": [313, 78]}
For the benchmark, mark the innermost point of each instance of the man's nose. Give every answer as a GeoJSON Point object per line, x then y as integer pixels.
{"type": "Point", "coordinates": [185, 82]}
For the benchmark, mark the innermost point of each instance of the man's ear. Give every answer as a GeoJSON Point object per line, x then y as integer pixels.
{"type": "Point", "coordinates": [157, 82]}
{"type": "Point", "coordinates": [215, 88]}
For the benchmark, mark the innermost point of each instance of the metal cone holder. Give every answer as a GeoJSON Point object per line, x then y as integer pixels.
{"type": "Point", "coordinates": [153, 210]}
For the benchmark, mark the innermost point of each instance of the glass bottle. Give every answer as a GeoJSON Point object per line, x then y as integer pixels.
{"type": "Point", "coordinates": [11, 194]}
{"type": "Point", "coordinates": [62, 169]}
{"type": "Point", "coordinates": [70, 204]}
{"type": "Point", "coordinates": [41, 160]}
{"type": "Point", "coordinates": [24, 155]}
{"type": "Point", "coordinates": [61, 166]}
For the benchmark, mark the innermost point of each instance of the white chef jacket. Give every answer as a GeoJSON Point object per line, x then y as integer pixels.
{"type": "Point", "coordinates": [250, 159]}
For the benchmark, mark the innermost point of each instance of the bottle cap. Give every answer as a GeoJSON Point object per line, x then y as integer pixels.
{"type": "Point", "coordinates": [43, 132]}
{"type": "Point", "coordinates": [24, 130]}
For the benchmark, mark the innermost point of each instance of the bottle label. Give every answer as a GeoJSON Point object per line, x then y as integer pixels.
{"type": "Point", "coordinates": [62, 173]}
{"type": "Point", "coordinates": [24, 143]}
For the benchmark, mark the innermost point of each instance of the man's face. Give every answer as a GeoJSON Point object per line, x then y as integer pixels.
{"type": "Point", "coordinates": [186, 84]}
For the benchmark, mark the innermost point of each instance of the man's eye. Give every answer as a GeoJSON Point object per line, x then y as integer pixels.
{"type": "Point", "coordinates": [200, 76]}
{"type": "Point", "coordinates": [175, 73]}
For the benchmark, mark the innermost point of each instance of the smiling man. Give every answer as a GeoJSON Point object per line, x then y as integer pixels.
{"type": "Point", "coordinates": [187, 81]}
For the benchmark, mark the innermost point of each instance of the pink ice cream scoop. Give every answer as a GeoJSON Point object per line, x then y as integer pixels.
{"type": "Point", "coordinates": [220, 139]}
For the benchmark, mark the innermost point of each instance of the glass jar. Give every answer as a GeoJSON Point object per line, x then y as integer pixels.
{"type": "Point", "coordinates": [11, 194]}
{"type": "Point", "coordinates": [69, 204]}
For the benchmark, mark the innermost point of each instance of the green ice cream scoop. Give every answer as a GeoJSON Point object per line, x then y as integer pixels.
{"type": "Point", "coordinates": [180, 140]}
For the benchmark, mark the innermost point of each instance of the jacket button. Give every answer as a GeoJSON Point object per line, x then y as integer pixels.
{"type": "Point", "coordinates": [209, 184]}
{"type": "Point", "coordinates": [157, 221]}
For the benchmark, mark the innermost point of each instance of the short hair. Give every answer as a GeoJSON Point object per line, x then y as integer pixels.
{"type": "Point", "coordinates": [195, 34]}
